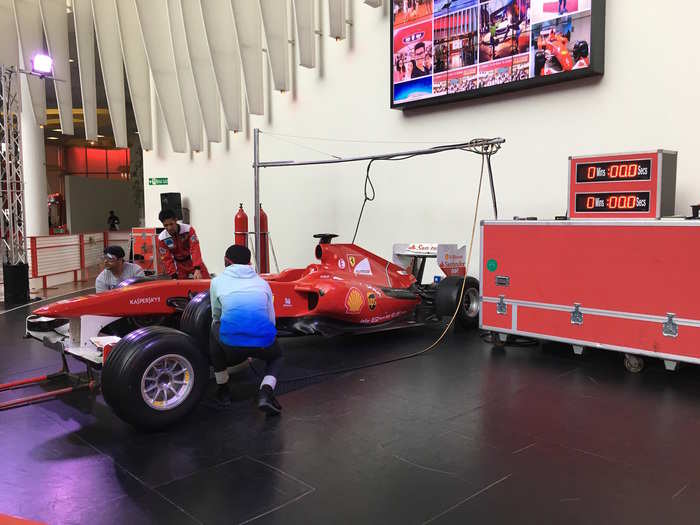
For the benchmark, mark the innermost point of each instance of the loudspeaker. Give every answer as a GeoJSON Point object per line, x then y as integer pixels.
{"type": "Point", "coordinates": [16, 284]}
{"type": "Point", "coordinates": [172, 201]}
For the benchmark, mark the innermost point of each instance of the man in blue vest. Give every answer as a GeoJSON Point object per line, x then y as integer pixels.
{"type": "Point", "coordinates": [243, 326]}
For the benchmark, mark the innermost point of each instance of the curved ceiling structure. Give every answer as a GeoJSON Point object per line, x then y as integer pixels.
{"type": "Point", "coordinates": [200, 54]}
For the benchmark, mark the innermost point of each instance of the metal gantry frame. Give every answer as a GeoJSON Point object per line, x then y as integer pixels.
{"type": "Point", "coordinates": [13, 244]}
{"type": "Point", "coordinates": [484, 147]}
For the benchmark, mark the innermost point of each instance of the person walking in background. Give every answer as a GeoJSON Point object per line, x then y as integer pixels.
{"type": "Point", "coordinates": [113, 221]}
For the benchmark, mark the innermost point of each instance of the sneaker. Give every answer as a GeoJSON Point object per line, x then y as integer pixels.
{"type": "Point", "coordinates": [223, 395]}
{"type": "Point", "coordinates": [267, 402]}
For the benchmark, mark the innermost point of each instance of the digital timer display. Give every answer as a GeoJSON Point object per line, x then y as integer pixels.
{"type": "Point", "coordinates": [628, 170]}
{"type": "Point", "coordinates": [627, 201]}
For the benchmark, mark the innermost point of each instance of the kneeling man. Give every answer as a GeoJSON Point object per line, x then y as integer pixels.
{"type": "Point", "coordinates": [243, 326]}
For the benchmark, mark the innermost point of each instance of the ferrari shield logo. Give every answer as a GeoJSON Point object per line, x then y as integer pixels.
{"type": "Point", "coordinates": [354, 301]}
{"type": "Point", "coordinates": [371, 301]}
{"type": "Point", "coordinates": [351, 260]}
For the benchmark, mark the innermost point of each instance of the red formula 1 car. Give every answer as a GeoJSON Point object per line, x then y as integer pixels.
{"type": "Point", "coordinates": [556, 49]}
{"type": "Point", "coordinates": [146, 343]}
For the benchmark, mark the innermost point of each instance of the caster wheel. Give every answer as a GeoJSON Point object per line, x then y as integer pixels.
{"type": "Point", "coordinates": [633, 363]}
{"type": "Point", "coordinates": [499, 340]}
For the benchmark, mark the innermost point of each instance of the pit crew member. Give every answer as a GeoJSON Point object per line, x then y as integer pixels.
{"type": "Point", "coordinates": [179, 250]}
{"type": "Point", "coordinates": [243, 326]}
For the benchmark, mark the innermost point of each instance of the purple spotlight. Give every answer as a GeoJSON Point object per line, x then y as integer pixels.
{"type": "Point", "coordinates": [42, 64]}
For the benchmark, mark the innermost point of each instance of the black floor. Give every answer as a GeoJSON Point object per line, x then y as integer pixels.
{"type": "Point", "coordinates": [465, 434]}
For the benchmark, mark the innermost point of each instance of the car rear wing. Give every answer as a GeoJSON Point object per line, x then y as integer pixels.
{"type": "Point", "coordinates": [450, 258]}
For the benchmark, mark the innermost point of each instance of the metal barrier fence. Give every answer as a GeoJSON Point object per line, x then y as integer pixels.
{"type": "Point", "coordinates": [59, 259]}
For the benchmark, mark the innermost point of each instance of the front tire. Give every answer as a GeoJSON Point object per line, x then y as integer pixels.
{"type": "Point", "coordinates": [154, 377]}
{"type": "Point", "coordinates": [196, 320]}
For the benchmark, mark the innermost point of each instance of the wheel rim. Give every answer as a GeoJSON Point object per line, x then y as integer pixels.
{"type": "Point", "coordinates": [167, 382]}
{"type": "Point", "coordinates": [470, 303]}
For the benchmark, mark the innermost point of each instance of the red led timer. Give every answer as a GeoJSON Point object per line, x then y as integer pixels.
{"type": "Point", "coordinates": [622, 171]}
{"type": "Point", "coordinates": [635, 186]}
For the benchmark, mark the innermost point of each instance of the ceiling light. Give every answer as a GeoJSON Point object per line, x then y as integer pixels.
{"type": "Point", "coordinates": [100, 136]}
{"type": "Point", "coordinates": [42, 64]}
{"type": "Point", "coordinates": [57, 130]}
{"type": "Point", "coordinates": [52, 138]}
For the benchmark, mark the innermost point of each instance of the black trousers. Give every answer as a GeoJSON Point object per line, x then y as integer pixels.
{"type": "Point", "coordinates": [223, 355]}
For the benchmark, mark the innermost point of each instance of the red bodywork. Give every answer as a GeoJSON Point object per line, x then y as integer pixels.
{"type": "Point", "coordinates": [349, 285]}
{"type": "Point", "coordinates": [608, 269]}
{"type": "Point", "coordinates": [557, 46]}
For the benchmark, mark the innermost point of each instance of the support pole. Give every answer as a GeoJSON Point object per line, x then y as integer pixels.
{"type": "Point", "coordinates": [256, 182]}
{"type": "Point", "coordinates": [483, 147]}
{"type": "Point", "coordinates": [493, 189]}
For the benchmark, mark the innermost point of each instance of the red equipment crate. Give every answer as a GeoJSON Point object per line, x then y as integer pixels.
{"type": "Point", "coordinates": [145, 249]}
{"type": "Point", "coordinates": [628, 286]}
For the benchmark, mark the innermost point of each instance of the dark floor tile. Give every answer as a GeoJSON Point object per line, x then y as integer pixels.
{"type": "Point", "coordinates": [556, 485]}
{"type": "Point", "coordinates": [52, 475]}
{"type": "Point", "coordinates": [236, 491]}
{"type": "Point", "coordinates": [143, 509]}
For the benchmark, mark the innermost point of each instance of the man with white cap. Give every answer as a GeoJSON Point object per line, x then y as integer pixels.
{"type": "Point", "coordinates": [116, 271]}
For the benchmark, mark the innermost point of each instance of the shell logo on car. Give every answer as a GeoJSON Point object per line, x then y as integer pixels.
{"type": "Point", "coordinates": [354, 301]}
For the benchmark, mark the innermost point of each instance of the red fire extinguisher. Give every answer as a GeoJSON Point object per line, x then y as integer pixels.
{"type": "Point", "coordinates": [240, 227]}
{"type": "Point", "coordinates": [264, 244]}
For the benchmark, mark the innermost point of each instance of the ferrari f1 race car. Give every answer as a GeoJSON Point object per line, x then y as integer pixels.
{"type": "Point", "coordinates": [145, 344]}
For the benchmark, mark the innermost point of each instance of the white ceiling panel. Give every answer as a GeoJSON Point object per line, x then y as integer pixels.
{"type": "Point", "coordinates": [306, 32]}
{"type": "Point", "coordinates": [9, 47]}
{"type": "Point", "coordinates": [137, 73]}
{"type": "Point", "coordinates": [336, 14]}
{"type": "Point", "coordinates": [155, 28]}
{"type": "Point", "coordinates": [188, 91]}
{"type": "Point", "coordinates": [31, 41]}
{"type": "Point", "coordinates": [109, 46]}
{"type": "Point", "coordinates": [85, 43]}
{"type": "Point", "coordinates": [55, 19]}
{"type": "Point", "coordinates": [203, 68]}
{"type": "Point", "coordinates": [246, 14]}
{"type": "Point", "coordinates": [223, 44]}
{"type": "Point", "coordinates": [276, 23]}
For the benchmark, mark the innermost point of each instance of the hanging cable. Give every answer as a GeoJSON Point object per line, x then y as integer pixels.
{"type": "Point", "coordinates": [368, 186]}
{"type": "Point", "coordinates": [444, 332]}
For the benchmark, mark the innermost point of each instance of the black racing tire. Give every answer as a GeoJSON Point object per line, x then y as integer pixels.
{"type": "Point", "coordinates": [196, 321]}
{"type": "Point", "coordinates": [448, 295]}
{"type": "Point", "coordinates": [139, 367]}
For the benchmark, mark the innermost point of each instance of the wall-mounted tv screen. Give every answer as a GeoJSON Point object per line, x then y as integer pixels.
{"type": "Point", "coordinates": [446, 50]}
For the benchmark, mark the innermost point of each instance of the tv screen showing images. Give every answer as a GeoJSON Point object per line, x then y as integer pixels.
{"type": "Point", "coordinates": [446, 50]}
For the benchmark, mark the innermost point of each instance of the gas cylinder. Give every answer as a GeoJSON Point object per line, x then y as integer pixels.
{"type": "Point", "coordinates": [240, 227]}
{"type": "Point", "coordinates": [264, 243]}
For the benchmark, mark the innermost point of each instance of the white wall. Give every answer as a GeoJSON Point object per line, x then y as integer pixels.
{"type": "Point", "coordinates": [89, 201]}
{"type": "Point", "coordinates": [647, 99]}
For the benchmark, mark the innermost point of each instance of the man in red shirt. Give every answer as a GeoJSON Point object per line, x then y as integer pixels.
{"type": "Point", "coordinates": [179, 249]}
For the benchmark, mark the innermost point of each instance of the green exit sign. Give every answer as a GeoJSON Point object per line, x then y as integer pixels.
{"type": "Point", "coordinates": [158, 181]}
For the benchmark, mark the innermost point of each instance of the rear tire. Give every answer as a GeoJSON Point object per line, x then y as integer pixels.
{"type": "Point", "coordinates": [196, 321]}
{"type": "Point", "coordinates": [154, 377]}
{"type": "Point", "coordinates": [448, 295]}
